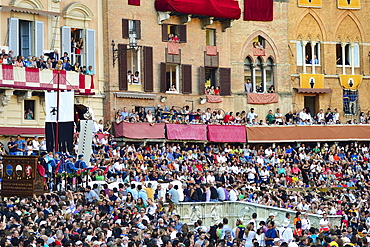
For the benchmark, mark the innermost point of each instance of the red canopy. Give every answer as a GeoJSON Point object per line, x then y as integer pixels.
{"type": "Point", "coordinates": [228, 9]}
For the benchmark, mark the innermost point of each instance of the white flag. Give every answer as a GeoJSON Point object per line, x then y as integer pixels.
{"type": "Point", "coordinates": [66, 106]}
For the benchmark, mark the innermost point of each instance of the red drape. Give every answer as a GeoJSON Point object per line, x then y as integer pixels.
{"type": "Point", "coordinates": [228, 9]}
{"type": "Point", "coordinates": [186, 132]}
{"type": "Point", "coordinates": [227, 133]}
{"type": "Point", "coordinates": [134, 2]}
{"type": "Point", "coordinates": [139, 130]}
{"type": "Point", "coordinates": [262, 98]}
{"type": "Point", "coordinates": [258, 10]}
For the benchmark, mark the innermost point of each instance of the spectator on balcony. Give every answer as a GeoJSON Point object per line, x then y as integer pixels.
{"type": "Point", "coordinates": [28, 62]}
{"type": "Point", "coordinates": [28, 114]}
{"type": "Point", "coordinates": [314, 60]}
{"type": "Point", "coordinates": [137, 79]}
{"type": "Point", "coordinates": [129, 79]}
{"type": "Point", "coordinates": [278, 117]}
{"type": "Point", "coordinates": [76, 67]}
{"type": "Point", "coordinates": [5, 59]}
{"type": "Point", "coordinates": [65, 56]}
{"type": "Point", "coordinates": [54, 55]}
{"type": "Point", "coordinates": [10, 57]}
{"type": "Point", "coordinates": [49, 64]}
{"type": "Point", "coordinates": [248, 86]}
{"type": "Point", "coordinates": [90, 71]}
{"type": "Point", "coordinates": [172, 88]}
{"type": "Point", "coordinates": [1, 58]}
{"type": "Point", "coordinates": [12, 146]}
{"type": "Point", "coordinates": [217, 90]}
{"type": "Point", "coordinates": [19, 62]}
{"type": "Point", "coordinates": [83, 70]}
{"type": "Point", "coordinates": [270, 118]}
{"type": "Point", "coordinates": [271, 89]}
{"type": "Point", "coordinates": [42, 64]}
{"type": "Point", "coordinates": [252, 115]}
{"type": "Point", "coordinates": [150, 117]}
{"type": "Point", "coordinates": [66, 65]}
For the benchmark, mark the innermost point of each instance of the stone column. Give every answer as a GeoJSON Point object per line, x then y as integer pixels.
{"type": "Point", "coordinates": [304, 43]}
{"type": "Point", "coordinates": [352, 58]}
{"type": "Point", "coordinates": [343, 58]}
{"type": "Point", "coordinates": [313, 56]}
{"type": "Point", "coordinates": [254, 65]}
{"type": "Point", "coordinates": [264, 77]}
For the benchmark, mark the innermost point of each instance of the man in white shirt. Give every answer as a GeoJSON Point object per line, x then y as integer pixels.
{"type": "Point", "coordinates": [320, 116]}
{"type": "Point", "coordinates": [306, 223]}
{"type": "Point", "coordinates": [324, 223]}
{"type": "Point", "coordinates": [286, 233]}
{"type": "Point", "coordinates": [36, 146]}
{"type": "Point", "coordinates": [252, 115]}
{"type": "Point", "coordinates": [233, 196]}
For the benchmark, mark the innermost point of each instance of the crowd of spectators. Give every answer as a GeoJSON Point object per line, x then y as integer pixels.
{"type": "Point", "coordinates": [52, 61]}
{"type": "Point", "coordinates": [326, 180]}
{"type": "Point", "coordinates": [250, 118]}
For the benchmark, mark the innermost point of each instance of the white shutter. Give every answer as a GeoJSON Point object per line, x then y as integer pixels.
{"type": "Point", "coordinates": [39, 38]}
{"type": "Point", "coordinates": [13, 35]}
{"type": "Point", "coordinates": [299, 53]}
{"type": "Point", "coordinates": [356, 48]}
{"type": "Point", "coordinates": [90, 48]}
{"type": "Point", "coordinates": [66, 41]}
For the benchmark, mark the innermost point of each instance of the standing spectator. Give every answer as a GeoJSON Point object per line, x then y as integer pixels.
{"type": "Point", "coordinates": [12, 146]}
{"type": "Point", "coordinates": [36, 146]}
{"type": "Point", "coordinates": [278, 117]}
{"type": "Point", "coordinates": [286, 233]}
{"type": "Point", "coordinates": [174, 194]}
{"type": "Point", "coordinates": [252, 115]}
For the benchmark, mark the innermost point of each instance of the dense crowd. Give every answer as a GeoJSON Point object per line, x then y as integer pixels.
{"type": "Point", "coordinates": [52, 60]}
{"type": "Point", "coordinates": [326, 180]}
{"type": "Point", "coordinates": [250, 118]}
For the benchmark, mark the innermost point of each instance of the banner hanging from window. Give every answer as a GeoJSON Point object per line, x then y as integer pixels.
{"type": "Point", "coordinates": [310, 3]}
{"type": "Point", "coordinates": [134, 2]}
{"type": "Point", "coordinates": [349, 4]}
{"type": "Point", "coordinates": [258, 10]}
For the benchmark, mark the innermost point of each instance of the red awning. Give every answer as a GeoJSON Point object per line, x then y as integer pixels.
{"type": "Point", "coordinates": [314, 90]}
{"type": "Point", "coordinates": [227, 9]}
{"type": "Point", "coordinates": [10, 131]}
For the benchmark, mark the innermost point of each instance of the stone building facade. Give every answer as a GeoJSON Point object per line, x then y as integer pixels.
{"type": "Point", "coordinates": [336, 33]}
{"type": "Point", "coordinates": [193, 70]}
{"type": "Point", "coordinates": [37, 27]}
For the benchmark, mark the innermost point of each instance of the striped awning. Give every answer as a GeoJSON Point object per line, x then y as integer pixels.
{"type": "Point", "coordinates": [314, 90]}
{"type": "Point", "coordinates": [134, 95]}
{"type": "Point", "coordinates": [29, 11]}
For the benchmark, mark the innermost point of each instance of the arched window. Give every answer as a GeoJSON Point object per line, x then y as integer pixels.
{"type": "Point", "coordinates": [270, 75]}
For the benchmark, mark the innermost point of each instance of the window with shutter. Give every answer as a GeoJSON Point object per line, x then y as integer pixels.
{"type": "Point", "coordinates": [299, 53]}
{"type": "Point", "coordinates": [138, 29]}
{"type": "Point", "coordinates": [148, 69]}
{"type": "Point", "coordinates": [163, 86]}
{"type": "Point", "coordinates": [90, 48]}
{"type": "Point", "coordinates": [13, 35]}
{"type": "Point", "coordinates": [202, 80]}
{"type": "Point", "coordinates": [356, 48]}
{"type": "Point", "coordinates": [182, 33]}
{"type": "Point", "coordinates": [186, 79]}
{"type": "Point", "coordinates": [66, 40]}
{"type": "Point", "coordinates": [164, 32]}
{"type": "Point", "coordinates": [125, 32]}
{"type": "Point", "coordinates": [122, 67]}
{"type": "Point", "coordinates": [39, 38]}
{"type": "Point", "coordinates": [170, 58]}
{"type": "Point", "coordinates": [225, 81]}
{"type": "Point", "coordinates": [211, 61]}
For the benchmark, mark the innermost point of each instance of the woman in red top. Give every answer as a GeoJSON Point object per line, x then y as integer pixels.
{"type": "Point", "coordinates": [217, 91]}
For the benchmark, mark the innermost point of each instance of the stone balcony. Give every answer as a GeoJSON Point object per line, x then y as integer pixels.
{"type": "Point", "coordinates": [34, 79]}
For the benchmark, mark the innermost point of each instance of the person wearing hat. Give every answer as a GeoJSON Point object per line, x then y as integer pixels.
{"type": "Point", "coordinates": [276, 242]}
{"type": "Point", "coordinates": [270, 218]}
{"type": "Point", "coordinates": [80, 165]}
{"type": "Point", "coordinates": [69, 168]}
{"type": "Point", "coordinates": [286, 232]}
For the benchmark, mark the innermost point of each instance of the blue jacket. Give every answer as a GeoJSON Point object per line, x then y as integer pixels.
{"type": "Point", "coordinates": [69, 167]}
{"type": "Point", "coordinates": [80, 164]}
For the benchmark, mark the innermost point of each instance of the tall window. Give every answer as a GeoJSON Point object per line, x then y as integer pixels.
{"type": "Point", "coordinates": [173, 77]}
{"type": "Point", "coordinates": [261, 75]}
{"type": "Point", "coordinates": [350, 102]}
{"type": "Point", "coordinates": [29, 109]}
{"type": "Point", "coordinates": [312, 53]}
{"type": "Point", "coordinates": [270, 75]}
{"type": "Point", "coordinates": [348, 54]}
{"type": "Point", "coordinates": [308, 53]}
{"type": "Point", "coordinates": [210, 37]}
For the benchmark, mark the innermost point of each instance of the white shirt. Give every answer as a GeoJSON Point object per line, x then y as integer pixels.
{"type": "Point", "coordinates": [306, 224]}
{"type": "Point", "coordinates": [286, 234]}
{"type": "Point", "coordinates": [35, 145]}
{"type": "Point", "coordinates": [251, 116]}
{"type": "Point", "coordinates": [233, 195]}
{"type": "Point", "coordinates": [324, 222]}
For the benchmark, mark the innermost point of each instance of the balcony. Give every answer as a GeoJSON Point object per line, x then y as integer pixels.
{"type": "Point", "coordinates": [36, 79]}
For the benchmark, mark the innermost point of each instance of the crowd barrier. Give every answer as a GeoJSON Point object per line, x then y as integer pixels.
{"type": "Point", "coordinates": [241, 133]}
